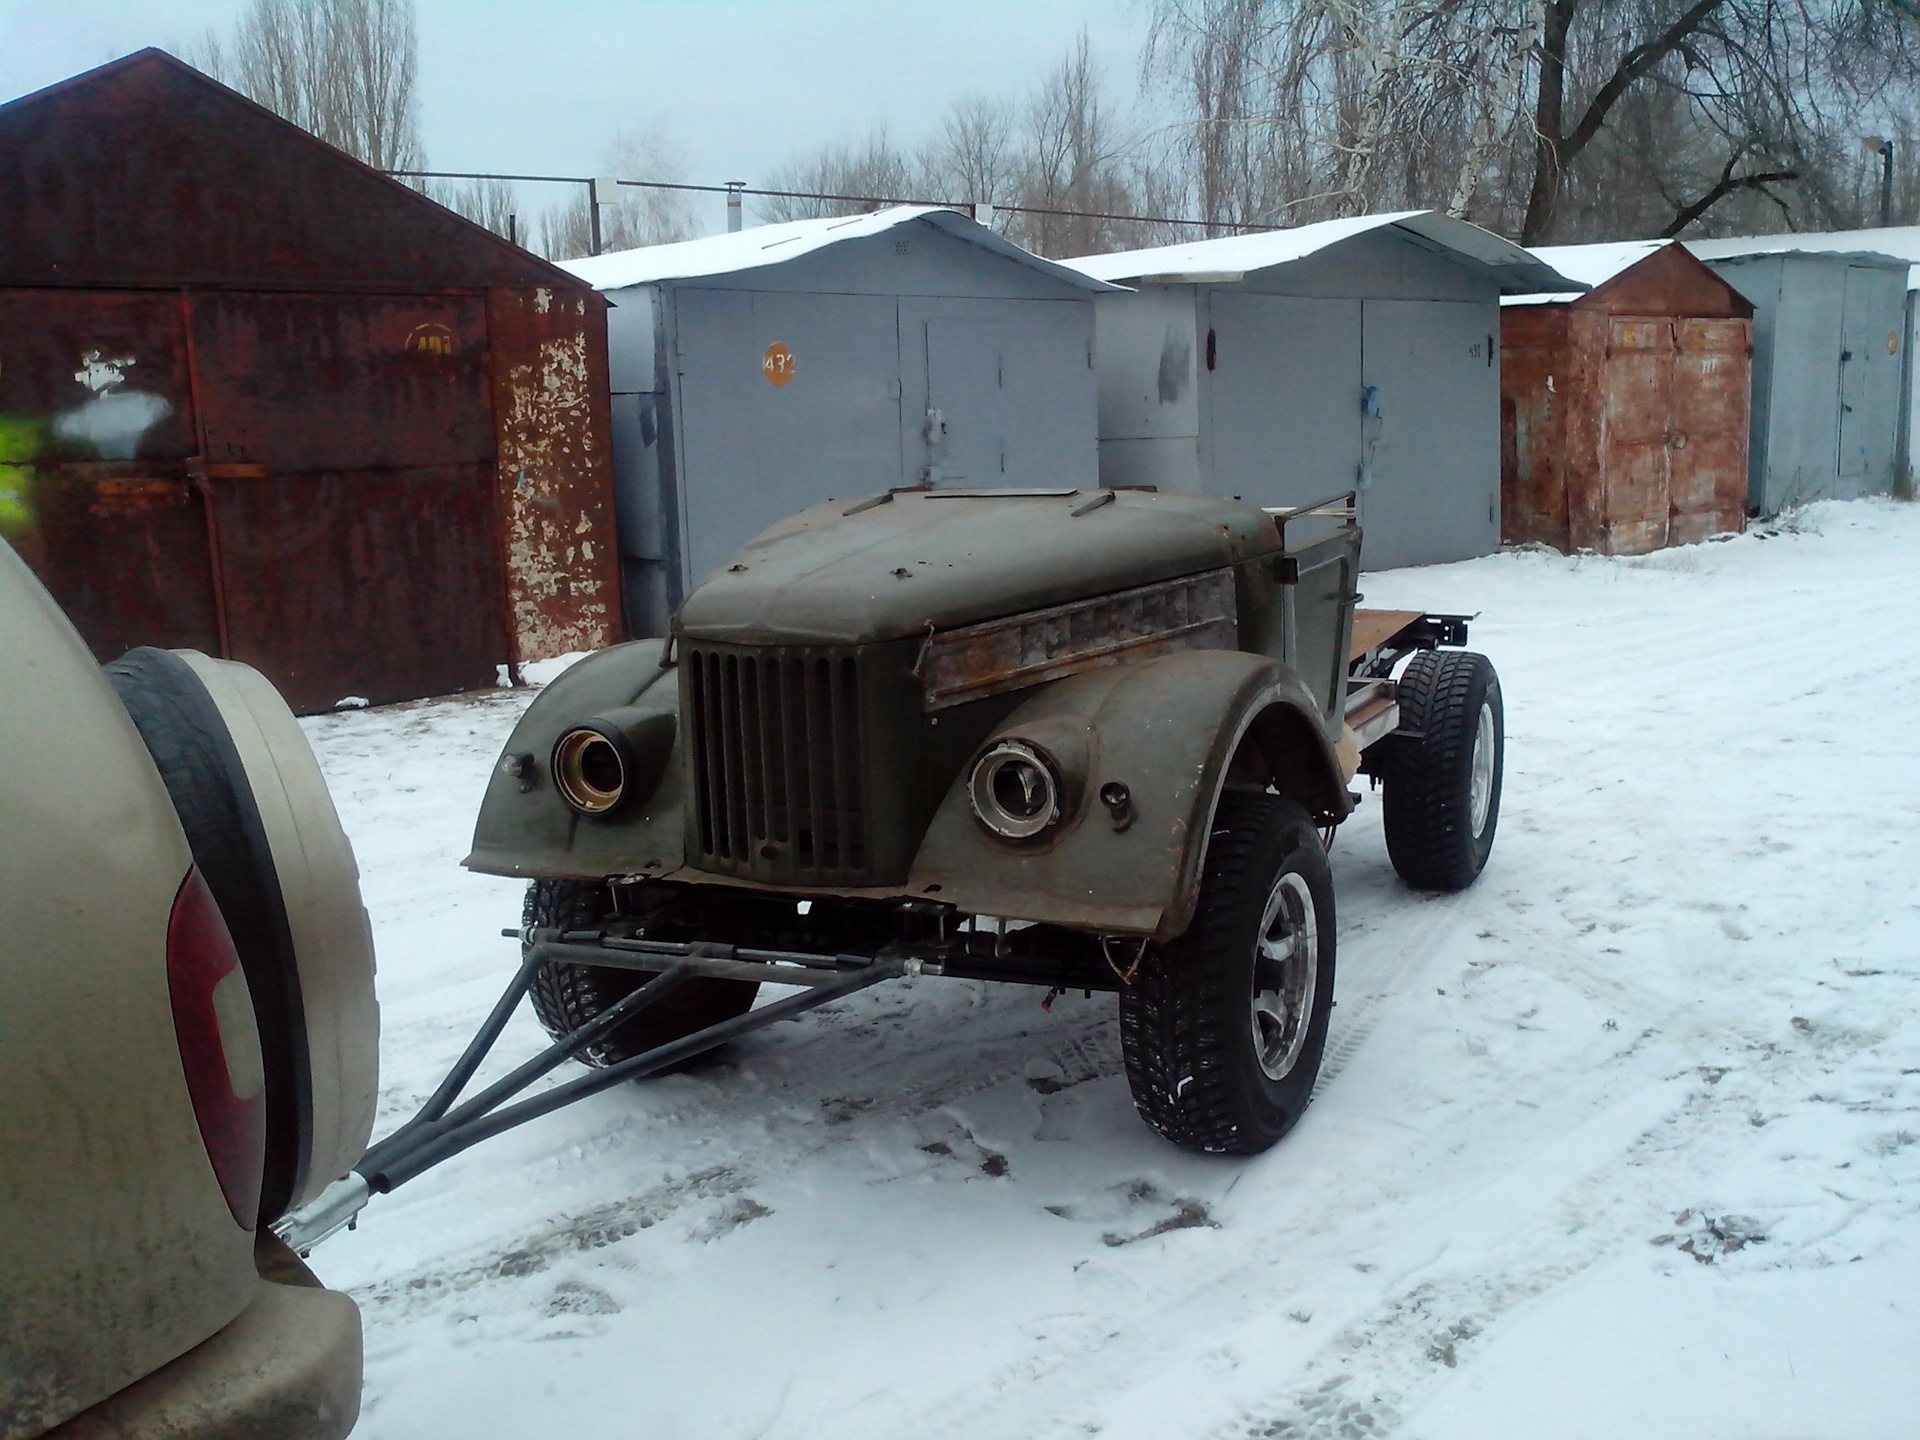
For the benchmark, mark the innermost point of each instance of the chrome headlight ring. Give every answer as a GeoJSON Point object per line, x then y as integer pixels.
{"type": "Point", "coordinates": [1015, 790]}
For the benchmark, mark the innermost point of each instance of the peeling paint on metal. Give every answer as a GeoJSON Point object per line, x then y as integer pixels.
{"type": "Point", "coordinates": [1645, 443]}
{"type": "Point", "coordinates": [563, 594]}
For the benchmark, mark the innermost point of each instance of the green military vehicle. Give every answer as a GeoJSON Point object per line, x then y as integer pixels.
{"type": "Point", "coordinates": [1087, 740]}
{"type": "Point", "coordinates": [1090, 740]}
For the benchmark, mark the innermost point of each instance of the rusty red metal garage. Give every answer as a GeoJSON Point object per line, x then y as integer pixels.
{"type": "Point", "coordinates": [1624, 410]}
{"type": "Point", "coordinates": [260, 400]}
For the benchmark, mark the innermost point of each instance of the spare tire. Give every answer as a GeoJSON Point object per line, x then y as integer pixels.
{"type": "Point", "coordinates": [265, 835]}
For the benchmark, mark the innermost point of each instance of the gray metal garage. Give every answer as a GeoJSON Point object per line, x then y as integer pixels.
{"type": "Point", "coordinates": [1903, 243]}
{"type": "Point", "coordinates": [760, 372]}
{"type": "Point", "coordinates": [1285, 366]}
{"type": "Point", "coordinates": [1829, 352]}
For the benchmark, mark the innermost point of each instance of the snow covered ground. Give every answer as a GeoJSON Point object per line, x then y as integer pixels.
{"type": "Point", "coordinates": [1625, 1141]}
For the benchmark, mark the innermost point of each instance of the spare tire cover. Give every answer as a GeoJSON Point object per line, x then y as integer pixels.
{"type": "Point", "coordinates": [264, 832]}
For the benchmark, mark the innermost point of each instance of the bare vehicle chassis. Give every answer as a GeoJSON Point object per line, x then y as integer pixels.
{"type": "Point", "coordinates": [932, 939]}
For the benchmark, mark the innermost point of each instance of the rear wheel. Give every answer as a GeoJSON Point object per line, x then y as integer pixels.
{"type": "Point", "coordinates": [1222, 1029]}
{"type": "Point", "coordinates": [1442, 801]}
{"type": "Point", "coordinates": [567, 996]}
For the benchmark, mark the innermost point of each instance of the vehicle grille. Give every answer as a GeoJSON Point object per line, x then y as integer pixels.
{"type": "Point", "coordinates": [777, 763]}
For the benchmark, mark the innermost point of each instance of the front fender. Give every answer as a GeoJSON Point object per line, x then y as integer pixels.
{"type": "Point", "coordinates": [1172, 730]}
{"type": "Point", "coordinates": [526, 829]}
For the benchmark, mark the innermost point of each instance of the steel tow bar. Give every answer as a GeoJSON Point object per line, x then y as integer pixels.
{"type": "Point", "coordinates": [442, 1129]}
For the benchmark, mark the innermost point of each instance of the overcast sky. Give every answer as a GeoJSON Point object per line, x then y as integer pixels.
{"type": "Point", "coordinates": [540, 86]}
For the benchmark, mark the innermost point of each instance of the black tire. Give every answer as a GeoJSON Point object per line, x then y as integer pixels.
{"type": "Point", "coordinates": [566, 996]}
{"type": "Point", "coordinates": [1189, 1028]}
{"type": "Point", "coordinates": [1429, 811]}
{"type": "Point", "coordinates": [207, 782]}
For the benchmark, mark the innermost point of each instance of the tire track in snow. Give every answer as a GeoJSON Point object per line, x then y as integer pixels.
{"type": "Point", "coordinates": [1355, 1015]}
{"type": "Point", "coordinates": [1371, 1377]}
{"type": "Point", "coordinates": [945, 1069]}
{"type": "Point", "coordinates": [1052, 1393]}
{"type": "Point", "coordinates": [1090, 1050]}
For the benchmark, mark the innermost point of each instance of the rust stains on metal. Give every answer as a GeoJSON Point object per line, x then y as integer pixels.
{"type": "Point", "coordinates": [556, 471]}
{"type": "Point", "coordinates": [1624, 413]}
{"type": "Point", "coordinates": [1195, 612]}
{"type": "Point", "coordinates": [256, 399]}
{"type": "Point", "coordinates": [144, 172]}
{"type": "Point", "coordinates": [1712, 385]}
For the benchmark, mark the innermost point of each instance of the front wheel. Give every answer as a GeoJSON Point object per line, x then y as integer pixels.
{"type": "Point", "coordinates": [566, 996]}
{"type": "Point", "coordinates": [1222, 1030]}
{"type": "Point", "coordinates": [1442, 799]}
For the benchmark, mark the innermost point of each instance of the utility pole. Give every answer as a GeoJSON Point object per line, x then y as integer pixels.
{"type": "Point", "coordinates": [1883, 147]}
{"type": "Point", "coordinates": [600, 192]}
{"type": "Point", "coordinates": [1886, 182]}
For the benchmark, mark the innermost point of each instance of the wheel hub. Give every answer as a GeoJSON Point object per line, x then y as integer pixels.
{"type": "Point", "coordinates": [1480, 787]}
{"type": "Point", "coordinates": [1285, 972]}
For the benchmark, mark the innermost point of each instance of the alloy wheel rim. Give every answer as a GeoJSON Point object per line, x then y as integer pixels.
{"type": "Point", "coordinates": [1286, 966]}
{"type": "Point", "coordinates": [1480, 788]}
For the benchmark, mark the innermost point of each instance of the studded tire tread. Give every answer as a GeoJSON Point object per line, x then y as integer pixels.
{"type": "Point", "coordinates": [567, 996]}
{"type": "Point", "coordinates": [1427, 806]}
{"type": "Point", "coordinates": [1185, 1021]}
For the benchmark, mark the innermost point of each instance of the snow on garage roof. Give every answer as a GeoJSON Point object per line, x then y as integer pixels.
{"type": "Point", "coordinates": [1591, 265]}
{"type": "Point", "coordinates": [1234, 257]}
{"type": "Point", "coordinates": [775, 244]}
{"type": "Point", "coordinates": [1897, 242]}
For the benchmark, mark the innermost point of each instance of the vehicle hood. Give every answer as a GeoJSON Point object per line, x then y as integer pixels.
{"type": "Point", "coordinates": [852, 572]}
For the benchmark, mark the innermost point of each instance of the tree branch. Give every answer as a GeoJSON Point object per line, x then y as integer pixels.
{"type": "Point", "coordinates": [1727, 184]}
{"type": "Point", "coordinates": [1635, 63]}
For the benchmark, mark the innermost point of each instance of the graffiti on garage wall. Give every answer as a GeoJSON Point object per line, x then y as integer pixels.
{"type": "Point", "coordinates": [20, 443]}
{"type": "Point", "coordinates": [112, 422]}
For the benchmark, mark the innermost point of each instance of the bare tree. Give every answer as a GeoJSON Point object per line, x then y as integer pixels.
{"type": "Point", "coordinates": [974, 156]}
{"type": "Point", "coordinates": [870, 172]}
{"type": "Point", "coordinates": [341, 69]}
{"type": "Point", "coordinates": [641, 216]}
{"type": "Point", "coordinates": [1076, 164]}
{"type": "Point", "coordinates": [494, 204]}
{"type": "Point", "coordinates": [1553, 119]}
{"type": "Point", "coordinates": [1050, 165]}
{"type": "Point", "coordinates": [1303, 109]}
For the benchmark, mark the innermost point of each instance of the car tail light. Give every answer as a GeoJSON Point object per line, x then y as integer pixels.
{"type": "Point", "coordinates": [219, 1043]}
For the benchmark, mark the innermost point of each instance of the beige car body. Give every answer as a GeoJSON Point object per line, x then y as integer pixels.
{"type": "Point", "coordinates": [131, 1302]}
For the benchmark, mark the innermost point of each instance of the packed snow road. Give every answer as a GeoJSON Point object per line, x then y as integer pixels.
{"type": "Point", "coordinates": [1623, 1141]}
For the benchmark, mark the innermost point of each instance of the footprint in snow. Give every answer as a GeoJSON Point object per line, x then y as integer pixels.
{"type": "Point", "coordinates": [952, 1143]}
{"type": "Point", "coordinates": [1137, 1210]}
{"type": "Point", "coordinates": [730, 1217]}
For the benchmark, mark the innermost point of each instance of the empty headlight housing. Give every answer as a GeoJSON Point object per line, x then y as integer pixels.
{"type": "Point", "coordinates": [613, 759]}
{"type": "Point", "coordinates": [1015, 789]}
{"type": "Point", "coordinates": [591, 769]}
